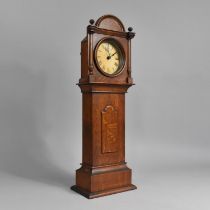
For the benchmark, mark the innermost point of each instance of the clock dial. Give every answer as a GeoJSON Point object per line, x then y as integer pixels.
{"type": "Point", "coordinates": [109, 57]}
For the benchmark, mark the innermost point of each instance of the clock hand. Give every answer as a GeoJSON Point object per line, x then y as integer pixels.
{"type": "Point", "coordinates": [108, 49]}
{"type": "Point", "coordinates": [113, 54]}
{"type": "Point", "coordinates": [109, 57]}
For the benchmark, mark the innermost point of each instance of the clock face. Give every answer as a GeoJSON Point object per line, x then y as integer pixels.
{"type": "Point", "coordinates": [109, 57]}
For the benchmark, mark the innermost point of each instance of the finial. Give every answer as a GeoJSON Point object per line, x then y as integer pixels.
{"type": "Point", "coordinates": [130, 29]}
{"type": "Point", "coordinates": [91, 21]}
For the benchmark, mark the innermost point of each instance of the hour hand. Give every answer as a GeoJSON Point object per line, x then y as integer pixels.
{"type": "Point", "coordinates": [107, 49]}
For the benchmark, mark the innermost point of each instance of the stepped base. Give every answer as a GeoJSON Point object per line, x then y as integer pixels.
{"type": "Point", "coordinates": [91, 195]}
{"type": "Point", "coordinates": [100, 181]}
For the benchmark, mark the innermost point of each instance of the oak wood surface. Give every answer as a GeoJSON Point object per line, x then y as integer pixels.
{"type": "Point", "coordinates": [103, 169]}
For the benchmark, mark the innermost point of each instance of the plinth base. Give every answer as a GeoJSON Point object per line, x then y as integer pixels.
{"type": "Point", "coordinates": [91, 195]}
{"type": "Point", "coordinates": [93, 182]}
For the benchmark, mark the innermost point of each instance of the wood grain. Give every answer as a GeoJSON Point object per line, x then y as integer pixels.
{"type": "Point", "coordinates": [103, 169]}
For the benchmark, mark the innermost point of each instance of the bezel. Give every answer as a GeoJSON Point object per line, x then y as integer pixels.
{"type": "Point", "coordinates": [116, 44]}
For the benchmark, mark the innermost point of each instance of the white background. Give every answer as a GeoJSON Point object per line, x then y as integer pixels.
{"type": "Point", "coordinates": [167, 111]}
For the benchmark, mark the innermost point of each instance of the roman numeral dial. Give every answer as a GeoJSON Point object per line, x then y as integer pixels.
{"type": "Point", "coordinates": [109, 57]}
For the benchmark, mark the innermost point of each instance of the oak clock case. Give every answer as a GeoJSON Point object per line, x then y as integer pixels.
{"type": "Point", "coordinates": [105, 78]}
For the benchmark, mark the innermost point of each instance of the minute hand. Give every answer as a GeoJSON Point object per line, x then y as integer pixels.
{"type": "Point", "coordinates": [109, 57]}
{"type": "Point", "coordinates": [113, 54]}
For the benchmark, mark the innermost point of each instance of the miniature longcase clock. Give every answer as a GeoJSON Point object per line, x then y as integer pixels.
{"type": "Point", "coordinates": [105, 78]}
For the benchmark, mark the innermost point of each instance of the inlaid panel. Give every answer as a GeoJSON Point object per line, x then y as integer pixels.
{"type": "Point", "coordinates": [109, 129]}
